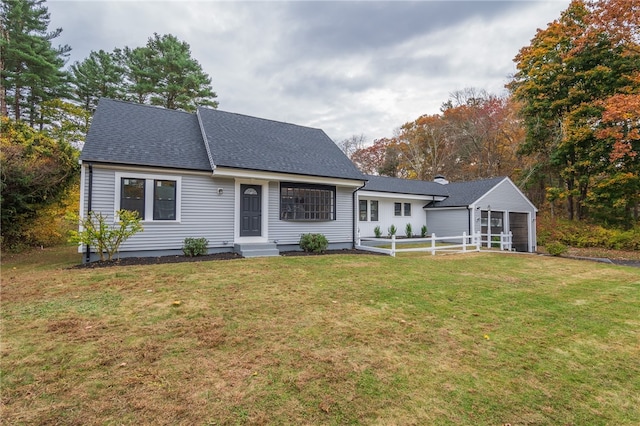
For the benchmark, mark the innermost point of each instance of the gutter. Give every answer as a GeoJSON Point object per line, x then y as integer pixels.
{"type": "Point", "coordinates": [89, 207]}
{"type": "Point", "coordinates": [354, 216]}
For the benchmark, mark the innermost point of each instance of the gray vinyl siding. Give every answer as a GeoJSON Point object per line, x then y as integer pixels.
{"type": "Point", "coordinates": [204, 213]}
{"type": "Point", "coordinates": [288, 232]}
{"type": "Point", "coordinates": [448, 222]}
{"type": "Point", "coordinates": [505, 197]}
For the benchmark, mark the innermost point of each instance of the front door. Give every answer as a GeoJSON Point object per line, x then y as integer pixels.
{"type": "Point", "coordinates": [250, 210]}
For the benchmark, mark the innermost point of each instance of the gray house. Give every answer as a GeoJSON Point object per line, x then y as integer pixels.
{"type": "Point", "coordinates": [489, 206]}
{"type": "Point", "coordinates": [243, 183]}
{"type": "Point", "coordinates": [254, 186]}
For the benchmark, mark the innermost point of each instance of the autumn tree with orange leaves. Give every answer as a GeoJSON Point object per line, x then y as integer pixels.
{"type": "Point", "coordinates": [475, 136]}
{"type": "Point", "coordinates": [579, 86]}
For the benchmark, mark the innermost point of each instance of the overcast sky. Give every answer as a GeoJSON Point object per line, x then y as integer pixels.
{"type": "Point", "coordinates": [349, 68]}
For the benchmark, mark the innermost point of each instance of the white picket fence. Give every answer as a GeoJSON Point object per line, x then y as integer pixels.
{"type": "Point", "coordinates": [458, 243]}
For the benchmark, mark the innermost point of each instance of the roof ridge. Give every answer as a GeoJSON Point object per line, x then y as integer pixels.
{"type": "Point", "coordinates": [157, 107]}
{"type": "Point", "coordinates": [257, 118]}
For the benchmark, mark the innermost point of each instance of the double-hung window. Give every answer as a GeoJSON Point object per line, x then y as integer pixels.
{"type": "Point", "coordinates": [407, 209]}
{"type": "Point", "coordinates": [155, 198]}
{"type": "Point", "coordinates": [368, 215]}
{"type": "Point", "coordinates": [363, 210]}
{"type": "Point", "coordinates": [307, 202]}
{"type": "Point", "coordinates": [373, 211]}
{"type": "Point", "coordinates": [402, 209]}
{"type": "Point", "coordinates": [132, 195]}
{"type": "Point", "coordinates": [164, 200]}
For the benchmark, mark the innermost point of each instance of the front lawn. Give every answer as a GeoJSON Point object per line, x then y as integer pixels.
{"type": "Point", "coordinates": [479, 338]}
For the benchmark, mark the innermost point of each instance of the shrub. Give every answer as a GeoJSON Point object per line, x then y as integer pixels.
{"type": "Point", "coordinates": [556, 248]}
{"type": "Point", "coordinates": [195, 246]}
{"type": "Point", "coordinates": [316, 243]}
{"type": "Point", "coordinates": [583, 234]}
{"type": "Point", "coordinates": [377, 231]}
{"type": "Point", "coordinates": [423, 231]}
{"type": "Point", "coordinates": [392, 230]}
{"type": "Point", "coordinates": [104, 238]}
{"type": "Point", "coordinates": [408, 230]}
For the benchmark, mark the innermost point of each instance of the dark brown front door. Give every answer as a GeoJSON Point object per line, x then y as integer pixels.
{"type": "Point", "coordinates": [250, 210]}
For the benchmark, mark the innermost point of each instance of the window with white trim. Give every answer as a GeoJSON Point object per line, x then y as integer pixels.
{"type": "Point", "coordinates": [407, 209]}
{"type": "Point", "coordinates": [373, 211]}
{"type": "Point", "coordinates": [154, 197]}
{"type": "Point", "coordinates": [363, 210]}
{"type": "Point", "coordinates": [132, 195]}
{"type": "Point", "coordinates": [164, 199]}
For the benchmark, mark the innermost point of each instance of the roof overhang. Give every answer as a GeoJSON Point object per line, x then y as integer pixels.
{"type": "Point", "coordinates": [403, 196]}
{"type": "Point", "coordinates": [229, 172]}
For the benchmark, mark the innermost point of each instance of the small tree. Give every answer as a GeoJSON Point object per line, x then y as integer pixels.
{"type": "Point", "coordinates": [392, 230]}
{"type": "Point", "coordinates": [377, 231]}
{"type": "Point", "coordinates": [423, 231]}
{"type": "Point", "coordinates": [97, 233]}
{"type": "Point", "coordinates": [408, 230]}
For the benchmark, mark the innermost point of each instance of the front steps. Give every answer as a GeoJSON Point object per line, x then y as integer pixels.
{"type": "Point", "coordinates": [256, 249]}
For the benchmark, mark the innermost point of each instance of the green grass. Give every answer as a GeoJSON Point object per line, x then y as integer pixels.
{"type": "Point", "coordinates": [479, 338]}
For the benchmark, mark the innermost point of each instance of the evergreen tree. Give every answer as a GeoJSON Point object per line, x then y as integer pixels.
{"type": "Point", "coordinates": [100, 75]}
{"type": "Point", "coordinates": [139, 84]}
{"type": "Point", "coordinates": [31, 68]}
{"type": "Point", "coordinates": [178, 79]}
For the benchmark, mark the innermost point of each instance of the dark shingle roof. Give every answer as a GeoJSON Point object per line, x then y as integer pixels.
{"type": "Point", "coordinates": [127, 133]}
{"type": "Point", "coordinates": [404, 186]}
{"type": "Point", "coordinates": [459, 194]}
{"type": "Point", "coordinates": [244, 142]}
{"type": "Point", "coordinates": [462, 194]}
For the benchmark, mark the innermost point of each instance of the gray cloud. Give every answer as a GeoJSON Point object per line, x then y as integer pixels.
{"type": "Point", "coordinates": [346, 67]}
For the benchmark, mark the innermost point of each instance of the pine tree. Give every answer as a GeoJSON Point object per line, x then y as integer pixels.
{"type": "Point", "coordinates": [31, 68]}
{"type": "Point", "coordinates": [179, 81]}
{"type": "Point", "coordinates": [100, 75]}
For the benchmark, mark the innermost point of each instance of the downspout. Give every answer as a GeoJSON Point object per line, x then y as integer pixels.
{"type": "Point", "coordinates": [89, 196]}
{"type": "Point", "coordinates": [355, 215]}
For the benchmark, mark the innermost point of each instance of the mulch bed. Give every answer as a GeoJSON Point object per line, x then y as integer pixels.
{"type": "Point", "coordinates": [129, 261]}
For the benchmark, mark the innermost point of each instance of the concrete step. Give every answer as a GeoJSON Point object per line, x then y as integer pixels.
{"type": "Point", "coordinates": [256, 249]}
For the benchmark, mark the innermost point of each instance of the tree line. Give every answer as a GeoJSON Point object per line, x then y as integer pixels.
{"type": "Point", "coordinates": [46, 108]}
{"type": "Point", "coordinates": [568, 132]}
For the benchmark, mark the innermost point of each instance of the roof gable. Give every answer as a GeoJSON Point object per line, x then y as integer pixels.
{"type": "Point", "coordinates": [463, 194]}
{"type": "Point", "coordinates": [244, 142]}
{"type": "Point", "coordinates": [136, 134]}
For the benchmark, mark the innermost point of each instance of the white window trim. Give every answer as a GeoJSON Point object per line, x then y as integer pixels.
{"type": "Point", "coordinates": [148, 194]}
{"type": "Point", "coordinates": [265, 212]}
{"type": "Point", "coordinates": [404, 210]}
{"type": "Point", "coordinates": [369, 210]}
{"type": "Point", "coordinates": [368, 216]}
{"type": "Point", "coordinates": [401, 209]}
